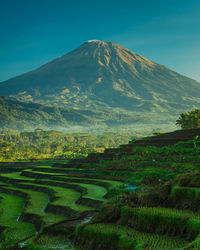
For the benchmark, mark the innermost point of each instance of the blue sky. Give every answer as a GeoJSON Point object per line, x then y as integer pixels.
{"type": "Point", "coordinates": [33, 32]}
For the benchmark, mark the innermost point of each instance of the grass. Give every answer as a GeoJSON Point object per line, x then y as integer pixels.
{"type": "Point", "coordinates": [111, 182]}
{"type": "Point", "coordinates": [93, 191]}
{"type": "Point", "coordinates": [17, 176]}
{"type": "Point", "coordinates": [150, 241]}
{"type": "Point", "coordinates": [161, 221]}
{"type": "Point", "coordinates": [186, 193]}
{"type": "Point", "coordinates": [53, 241]}
{"type": "Point", "coordinates": [38, 201]}
{"type": "Point", "coordinates": [65, 197]}
{"type": "Point", "coordinates": [11, 207]}
{"type": "Point", "coordinates": [76, 171]}
{"type": "Point", "coordinates": [43, 166]}
{"type": "Point", "coordinates": [51, 218]}
{"type": "Point", "coordinates": [170, 212]}
{"type": "Point", "coordinates": [40, 172]}
{"type": "Point", "coordinates": [188, 197]}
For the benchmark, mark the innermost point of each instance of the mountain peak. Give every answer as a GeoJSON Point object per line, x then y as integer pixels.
{"type": "Point", "coordinates": [94, 41]}
{"type": "Point", "coordinates": [104, 74]}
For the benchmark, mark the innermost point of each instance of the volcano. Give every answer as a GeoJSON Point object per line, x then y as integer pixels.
{"type": "Point", "coordinates": [102, 75]}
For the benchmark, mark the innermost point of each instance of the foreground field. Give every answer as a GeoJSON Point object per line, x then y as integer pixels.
{"type": "Point", "coordinates": [164, 212]}
{"type": "Point", "coordinates": [42, 196]}
{"type": "Point", "coordinates": [148, 197]}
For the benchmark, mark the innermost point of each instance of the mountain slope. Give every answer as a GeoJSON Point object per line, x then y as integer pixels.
{"type": "Point", "coordinates": [100, 75]}
{"type": "Point", "coordinates": [20, 115]}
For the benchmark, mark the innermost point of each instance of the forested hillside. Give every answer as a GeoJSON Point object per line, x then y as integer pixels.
{"type": "Point", "coordinates": [40, 144]}
{"type": "Point", "coordinates": [20, 115]}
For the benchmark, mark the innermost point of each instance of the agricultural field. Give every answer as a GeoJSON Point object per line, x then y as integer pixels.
{"type": "Point", "coordinates": [136, 196]}
{"type": "Point", "coordinates": [163, 212]}
{"type": "Point", "coordinates": [153, 241]}
{"type": "Point", "coordinates": [42, 198]}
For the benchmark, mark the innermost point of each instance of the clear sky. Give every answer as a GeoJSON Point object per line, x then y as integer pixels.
{"type": "Point", "coordinates": [33, 32]}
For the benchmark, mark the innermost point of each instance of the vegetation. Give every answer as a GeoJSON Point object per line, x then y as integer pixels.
{"type": "Point", "coordinates": [147, 197]}
{"type": "Point", "coordinates": [159, 214]}
{"type": "Point", "coordinates": [112, 236]}
{"type": "Point", "coordinates": [52, 201]}
{"type": "Point", "coordinates": [51, 240]}
{"type": "Point", "coordinates": [130, 90]}
{"type": "Point", "coordinates": [40, 144]}
{"type": "Point", "coordinates": [58, 188]}
{"type": "Point", "coordinates": [37, 200]}
{"type": "Point", "coordinates": [190, 119]}
{"type": "Point", "coordinates": [21, 115]}
{"type": "Point", "coordinates": [11, 207]}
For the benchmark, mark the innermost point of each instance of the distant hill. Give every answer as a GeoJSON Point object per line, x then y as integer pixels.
{"type": "Point", "coordinates": [109, 79]}
{"type": "Point", "coordinates": [20, 115]}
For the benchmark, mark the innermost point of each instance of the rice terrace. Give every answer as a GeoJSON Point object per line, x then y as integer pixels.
{"type": "Point", "coordinates": [100, 125]}
{"type": "Point", "coordinates": [142, 195]}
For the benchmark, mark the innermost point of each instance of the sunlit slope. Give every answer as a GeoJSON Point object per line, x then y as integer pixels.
{"type": "Point", "coordinates": [19, 115]}
{"type": "Point", "coordinates": [99, 74]}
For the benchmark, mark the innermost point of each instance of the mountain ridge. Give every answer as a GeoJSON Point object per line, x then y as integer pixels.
{"type": "Point", "coordinates": [21, 115]}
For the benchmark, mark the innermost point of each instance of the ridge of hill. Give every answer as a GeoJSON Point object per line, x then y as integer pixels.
{"type": "Point", "coordinates": [20, 115]}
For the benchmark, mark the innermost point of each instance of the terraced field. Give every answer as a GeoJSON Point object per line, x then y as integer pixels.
{"type": "Point", "coordinates": [42, 196]}
{"type": "Point", "coordinates": [40, 204]}
{"type": "Point", "coordinates": [11, 207]}
{"type": "Point", "coordinates": [147, 228]}
{"type": "Point", "coordinates": [153, 241]}
{"type": "Point", "coordinates": [165, 212]}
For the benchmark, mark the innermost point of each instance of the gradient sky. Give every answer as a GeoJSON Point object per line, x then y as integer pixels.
{"type": "Point", "coordinates": [33, 32]}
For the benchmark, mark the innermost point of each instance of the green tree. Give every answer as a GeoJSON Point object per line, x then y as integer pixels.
{"type": "Point", "coordinates": [189, 119]}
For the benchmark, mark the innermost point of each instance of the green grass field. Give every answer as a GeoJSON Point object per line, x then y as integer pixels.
{"type": "Point", "coordinates": [11, 207]}
{"type": "Point", "coordinates": [17, 176]}
{"type": "Point", "coordinates": [93, 191]}
{"type": "Point", "coordinates": [111, 182]}
{"type": "Point", "coordinates": [51, 241]}
{"type": "Point", "coordinates": [51, 218]}
{"type": "Point", "coordinates": [170, 212]}
{"type": "Point", "coordinates": [38, 200]}
{"type": "Point", "coordinates": [171, 217]}
{"type": "Point", "coordinates": [149, 241]}
{"type": "Point", "coordinates": [65, 197]}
